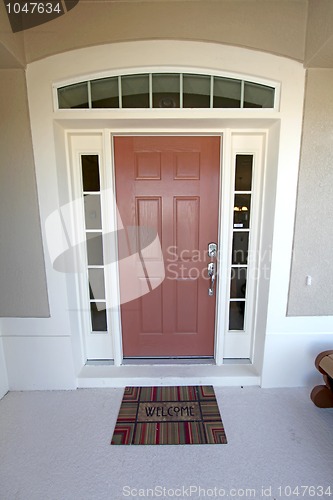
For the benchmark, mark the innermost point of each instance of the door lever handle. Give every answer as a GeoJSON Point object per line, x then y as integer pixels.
{"type": "Point", "coordinates": [211, 274]}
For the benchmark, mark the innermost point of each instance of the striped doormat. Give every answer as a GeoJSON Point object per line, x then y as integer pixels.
{"type": "Point", "coordinates": [169, 415]}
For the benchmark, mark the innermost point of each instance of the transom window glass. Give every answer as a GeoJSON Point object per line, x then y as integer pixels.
{"type": "Point", "coordinates": [104, 93]}
{"type": "Point", "coordinates": [135, 91]}
{"type": "Point", "coordinates": [196, 91]}
{"type": "Point", "coordinates": [166, 90]}
{"type": "Point", "coordinates": [227, 93]}
{"type": "Point", "coordinates": [73, 96]}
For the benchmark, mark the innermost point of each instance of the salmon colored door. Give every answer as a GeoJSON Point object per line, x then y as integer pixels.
{"type": "Point", "coordinates": [168, 187]}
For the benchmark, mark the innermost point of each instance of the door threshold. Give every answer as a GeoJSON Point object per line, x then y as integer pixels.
{"type": "Point", "coordinates": [235, 375]}
{"type": "Point", "coordinates": [168, 361]}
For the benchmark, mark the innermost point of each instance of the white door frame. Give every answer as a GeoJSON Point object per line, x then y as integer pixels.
{"type": "Point", "coordinates": [102, 143]}
{"type": "Point", "coordinates": [240, 344]}
{"type": "Point", "coordinates": [49, 129]}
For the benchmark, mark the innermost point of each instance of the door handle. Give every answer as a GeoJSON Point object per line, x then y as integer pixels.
{"type": "Point", "coordinates": [211, 274]}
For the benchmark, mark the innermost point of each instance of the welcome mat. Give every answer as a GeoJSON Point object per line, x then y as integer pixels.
{"type": "Point", "coordinates": [169, 415]}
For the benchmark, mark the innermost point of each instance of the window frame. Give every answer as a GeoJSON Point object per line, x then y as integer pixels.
{"type": "Point", "coordinates": [243, 79]}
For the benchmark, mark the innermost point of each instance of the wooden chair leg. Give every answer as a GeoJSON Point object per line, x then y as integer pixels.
{"type": "Point", "coordinates": [322, 396]}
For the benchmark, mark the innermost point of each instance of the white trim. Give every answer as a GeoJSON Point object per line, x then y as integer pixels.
{"type": "Point", "coordinates": [211, 104]}
{"type": "Point", "coordinates": [89, 95]}
{"type": "Point", "coordinates": [113, 278]}
{"type": "Point", "coordinates": [284, 124]}
{"type": "Point", "coordinates": [120, 96]}
{"type": "Point", "coordinates": [242, 94]}
{"type": "Point", "coordinates": [181, 91]}
{"type": "Point", "coordinates": [217, 340]}
{"type": "Point", "coordinates": [243, 78]}
{"type": "Point", "coordinates": [247, 77]}
{"type": "Point", "coordinates": [240, 344]}
{"type": "Point", "coordinates": [222, 245]}
{"type": "Point", "coordinates": [96, 346]}
{"type": "Point", "coordinates": [150, 87]}
{"type": "Point", "coordinates": [277, 98]}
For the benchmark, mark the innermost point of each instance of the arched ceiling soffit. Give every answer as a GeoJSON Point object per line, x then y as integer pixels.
{"type": "Point", "coordinates": [274, 26]}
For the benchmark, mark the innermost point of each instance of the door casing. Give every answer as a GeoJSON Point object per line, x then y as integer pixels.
{"type": "Point", "coordinates": [226, 137]}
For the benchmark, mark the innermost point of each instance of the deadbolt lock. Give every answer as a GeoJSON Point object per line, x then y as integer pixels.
{"type": "Point", "coordinates": [212, 250]}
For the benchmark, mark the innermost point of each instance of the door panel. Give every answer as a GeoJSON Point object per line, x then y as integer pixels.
{"type": "Point", "coordinates": [168, 186]}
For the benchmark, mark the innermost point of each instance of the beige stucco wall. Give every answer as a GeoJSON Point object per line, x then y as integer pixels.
{"type": "Point", "coordinates": [12, 53]}
{"type": "Point", "coordinates": [319, 34]}
{"type": "Point", "coordinates": [22, 271]}
{"type": "Point", "coordinates": [314, 230]}
{"type": "Point", "coordinates": [277, 26]}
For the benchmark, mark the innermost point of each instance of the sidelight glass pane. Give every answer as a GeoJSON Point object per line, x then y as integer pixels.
{"type": "Point", "coordinates": [90, 172]}
{"type": "Point", "coordinates": [92, 211]}
{"type": "Point", "coordinates": [104, 93]}
{"type": "Point", "coordinates": [243, 177]}
{"type": "Point", "coordinates": [240, 245]}
{"type": "Point", "coordinates": [227, 93]}
{"type": "Point", "coordinates": [73, 96]}
{"type": "Point", "coordinates": [258, 96]}
{"type": "Point", "coordinates": [166, 91]}
{"type": "Point", "coordinates": [94, 249]}
{"type": "Point", "coordinates": [196, 91]}
{"type": "Point", "coordinates": [242, 208]}
{"type": "Point", "coordinates": [238, 282]}
{"type": "Point", "coordinates": [96, 284]}
{"type": "Point", "coordinates": [236, 315]}
{"type": "Point", "coordinates": [135, 91]}
{"type": "Point", "coordinates": [98, 316]}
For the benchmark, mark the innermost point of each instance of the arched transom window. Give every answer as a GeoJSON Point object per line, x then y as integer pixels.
{"type": "Point", "coordinates": [166, 90]}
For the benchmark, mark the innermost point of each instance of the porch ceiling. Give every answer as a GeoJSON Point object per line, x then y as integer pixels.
{"type": "Point", "coordinates": [298, 29]}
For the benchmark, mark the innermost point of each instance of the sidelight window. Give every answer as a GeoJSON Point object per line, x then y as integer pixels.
{"type": "Point", "coordinates": [241, 234]}
{"type": "Point", "coordinates": [94, 242]}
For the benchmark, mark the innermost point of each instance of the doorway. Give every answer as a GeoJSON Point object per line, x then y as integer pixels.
{"type": "Point", "coordinates": [167, 191]}
{"type": "Point", "coordinates": [169, 233]}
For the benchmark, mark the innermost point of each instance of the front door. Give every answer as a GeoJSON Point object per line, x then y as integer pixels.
{"type": "Point", "coordinates": [167, 191]}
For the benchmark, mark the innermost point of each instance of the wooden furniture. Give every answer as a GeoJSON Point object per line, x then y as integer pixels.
{"type": "Point", "coordinates": [322, 395]}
